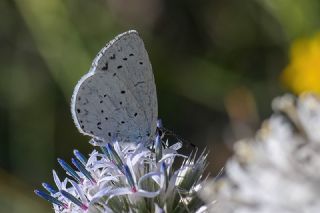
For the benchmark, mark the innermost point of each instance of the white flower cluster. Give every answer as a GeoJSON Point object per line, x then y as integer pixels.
{"type": "Point", "coordinates": [129, 178]}
{"type": "Point", "coordinates": [278, 171]}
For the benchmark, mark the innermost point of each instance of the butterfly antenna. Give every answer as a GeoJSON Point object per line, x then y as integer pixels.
{"type": "Point", "coordinates": [168, 132]}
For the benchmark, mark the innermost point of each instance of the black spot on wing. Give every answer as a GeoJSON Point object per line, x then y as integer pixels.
{"type": "Point", "coordinates": [105, 67]}
{"type": "Point", "coordinates": [112, 57]}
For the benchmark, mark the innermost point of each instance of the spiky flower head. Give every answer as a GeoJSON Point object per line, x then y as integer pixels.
{"type": "Point", "coordinates": [278, 170]}
{"type": "Point", "coordinates": [129, 178]}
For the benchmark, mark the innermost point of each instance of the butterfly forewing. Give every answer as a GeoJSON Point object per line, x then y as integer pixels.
{"type": "Point", "coordinates": [117, 99]}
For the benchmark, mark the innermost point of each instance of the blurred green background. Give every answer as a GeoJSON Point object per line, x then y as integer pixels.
{"type": "Point", "coordinates": [216, 63]}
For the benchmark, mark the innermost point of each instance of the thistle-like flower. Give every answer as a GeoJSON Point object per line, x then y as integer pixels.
{"type": "Point", "coordinates": [278, 170]}
{"type": "Point", "coordinates": [129, 178]}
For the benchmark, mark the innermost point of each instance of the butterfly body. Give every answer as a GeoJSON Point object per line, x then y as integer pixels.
{"type": "Point", "coordinates": [116, 100]}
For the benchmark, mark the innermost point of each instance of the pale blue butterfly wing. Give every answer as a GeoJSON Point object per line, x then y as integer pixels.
{"type": "Point", "coordinates": [116, 99]}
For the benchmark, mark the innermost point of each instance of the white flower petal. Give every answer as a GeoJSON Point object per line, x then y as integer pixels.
{"type": "Point", "coordinates": [143, 193]}
{"type": "Point", "coordinates": [79, 191]}
{"type": "Point", "coordinates": [56, 179]}
{"type": "Point", "coordinates": [146, 176]}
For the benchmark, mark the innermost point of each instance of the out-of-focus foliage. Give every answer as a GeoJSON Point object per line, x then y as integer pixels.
{"type": "Point", "coordinates": [206, 55]}
{"type": "Point", "coordinates": [303, 72]}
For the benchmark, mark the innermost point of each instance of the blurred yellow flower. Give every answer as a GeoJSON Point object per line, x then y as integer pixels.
{"type": "Point", "coordinates": [303, 72]}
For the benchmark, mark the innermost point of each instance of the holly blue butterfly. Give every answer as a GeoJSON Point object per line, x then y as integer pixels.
{"type": "Point", "coordinates": [116, 100]}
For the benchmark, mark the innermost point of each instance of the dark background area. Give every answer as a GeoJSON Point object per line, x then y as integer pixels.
{"type": "Point", "coordinates": [217, 66]}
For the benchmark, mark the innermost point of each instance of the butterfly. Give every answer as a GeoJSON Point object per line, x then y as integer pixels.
{"type": "Point", "coordinates": [117, 100]}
